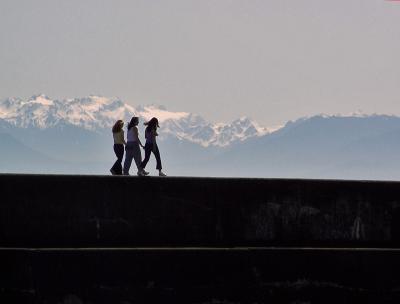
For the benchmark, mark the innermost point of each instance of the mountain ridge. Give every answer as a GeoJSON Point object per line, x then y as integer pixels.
{"type": "Point", "coordinates": [320, 146]}
{"type": "Point", "coordinates": [97, 112]}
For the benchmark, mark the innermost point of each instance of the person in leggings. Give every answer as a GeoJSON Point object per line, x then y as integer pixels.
{"type": "Point", "coordinates": [151, 145]}
{"type": "Point", "coordinates": [132, 149]}
{"type": "Point", "coordinates": [119, 143]}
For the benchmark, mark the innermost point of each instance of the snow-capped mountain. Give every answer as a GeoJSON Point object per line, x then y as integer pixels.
{"type": "Point", "coordinates": [40, 111]}
{"type": "Point", "coordinates": [196, 129]}
{"type": "Point", "coordinates": [74, 136]}
{"type": "Point", "coordinates": [97, 113]}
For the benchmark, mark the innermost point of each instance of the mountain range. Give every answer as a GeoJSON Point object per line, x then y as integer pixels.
{"type": "Point", "coordinates": [95, 113]}
{"type": "Point", "coordinates": [73, 136]}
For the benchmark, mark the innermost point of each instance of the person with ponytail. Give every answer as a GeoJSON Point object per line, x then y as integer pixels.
{"type": "Point", "coordinates": [151, 145]}
{"type": "Point", "coordinates": [132, 148]}
{"type": "Point", "coordinates": [119, 142]}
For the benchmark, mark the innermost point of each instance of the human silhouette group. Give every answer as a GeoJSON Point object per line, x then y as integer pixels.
{"type": "Point", "coordinates": [132, 146]}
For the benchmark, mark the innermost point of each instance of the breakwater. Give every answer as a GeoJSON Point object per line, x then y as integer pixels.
{"type": "Point", "coordinates": [103, 239]}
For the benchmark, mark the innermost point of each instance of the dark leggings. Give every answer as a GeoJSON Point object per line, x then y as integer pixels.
{"type": "Point", "coordinates": [148, 148]}
{"type": "Point", "coordinates": [119, 152]}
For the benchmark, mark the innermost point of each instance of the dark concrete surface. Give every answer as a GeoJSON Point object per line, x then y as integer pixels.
{"type": "Point", "coordinates": [109, 211]}
{"type": "Point", "coordinates": [93, 239]}
{"type": "Point", "coordinates": [262, 275]}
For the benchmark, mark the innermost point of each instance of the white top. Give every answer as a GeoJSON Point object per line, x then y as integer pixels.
{"type": "Point", "coordinates": [119, 138]}
{"type": "Point", "coordinates": [132, 135]}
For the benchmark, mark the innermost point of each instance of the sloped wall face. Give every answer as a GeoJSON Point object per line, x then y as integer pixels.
{"type": "Point", "coordinates": [98, 239]}
{"type": "Point", "coordinates": [108, 211]}
{"type": "Point", "coordinates": [206, 276]}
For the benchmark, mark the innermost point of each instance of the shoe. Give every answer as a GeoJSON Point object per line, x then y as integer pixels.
{"type": "Point", "coordinates": [140, 173]}
{"type": "Point", "coordinates": [162, 174]}
{"type": "Point", "coordinates": [126, 174]}
{"type": "Point", "coordinates": [113, 172]}
{"type": "Point", "coordinates": [145, 172]}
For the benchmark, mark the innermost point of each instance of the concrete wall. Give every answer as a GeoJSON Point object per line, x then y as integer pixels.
{"type": "Point", "coordinates": [99, 211]}
{"type": "Point", "coordinates": [98, 239]}
{"type": "Point", "coordinates": [209, 276]}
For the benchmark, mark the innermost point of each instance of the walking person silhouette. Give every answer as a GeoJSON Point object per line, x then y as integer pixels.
{"type": "Point", "coordinates": [119, 142]}
{"type": "Point", "coordinates": [132, 149]}
{"type": "Point", "coordinates": [151, 144]}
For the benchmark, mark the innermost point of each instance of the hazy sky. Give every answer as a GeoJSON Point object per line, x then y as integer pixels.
{"type": "Point", "coordinates": [272, 60]}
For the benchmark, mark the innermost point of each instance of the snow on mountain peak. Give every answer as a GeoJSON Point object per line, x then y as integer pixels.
{"type": "Point", "coordinates": [147, 112]}
{"type": "Point", "coordinates": [239, 130]}
{"type": "Point", "coordinates": [97, 113]}
{"type": "Point", "coordinates": [41, 99]}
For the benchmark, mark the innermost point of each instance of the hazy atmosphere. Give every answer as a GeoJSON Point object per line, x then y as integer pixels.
{"type": "Point", "coordinates": [269, 60]}
{"type": "Point", "coordinates": [199, 151]}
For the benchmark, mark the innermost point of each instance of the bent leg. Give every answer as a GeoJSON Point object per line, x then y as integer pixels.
{"type": "Point", "coordinates": [119, 151]}
{"type": "Point", "coordinates": [147, 151]}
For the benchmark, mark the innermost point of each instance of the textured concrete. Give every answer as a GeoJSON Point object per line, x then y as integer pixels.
{"type": "Point", "coordinates": [100, 239]}
{"type": "Point", "coordinates": [101, 211]}
{"type": "Point", "coordinates": [200, 276]}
